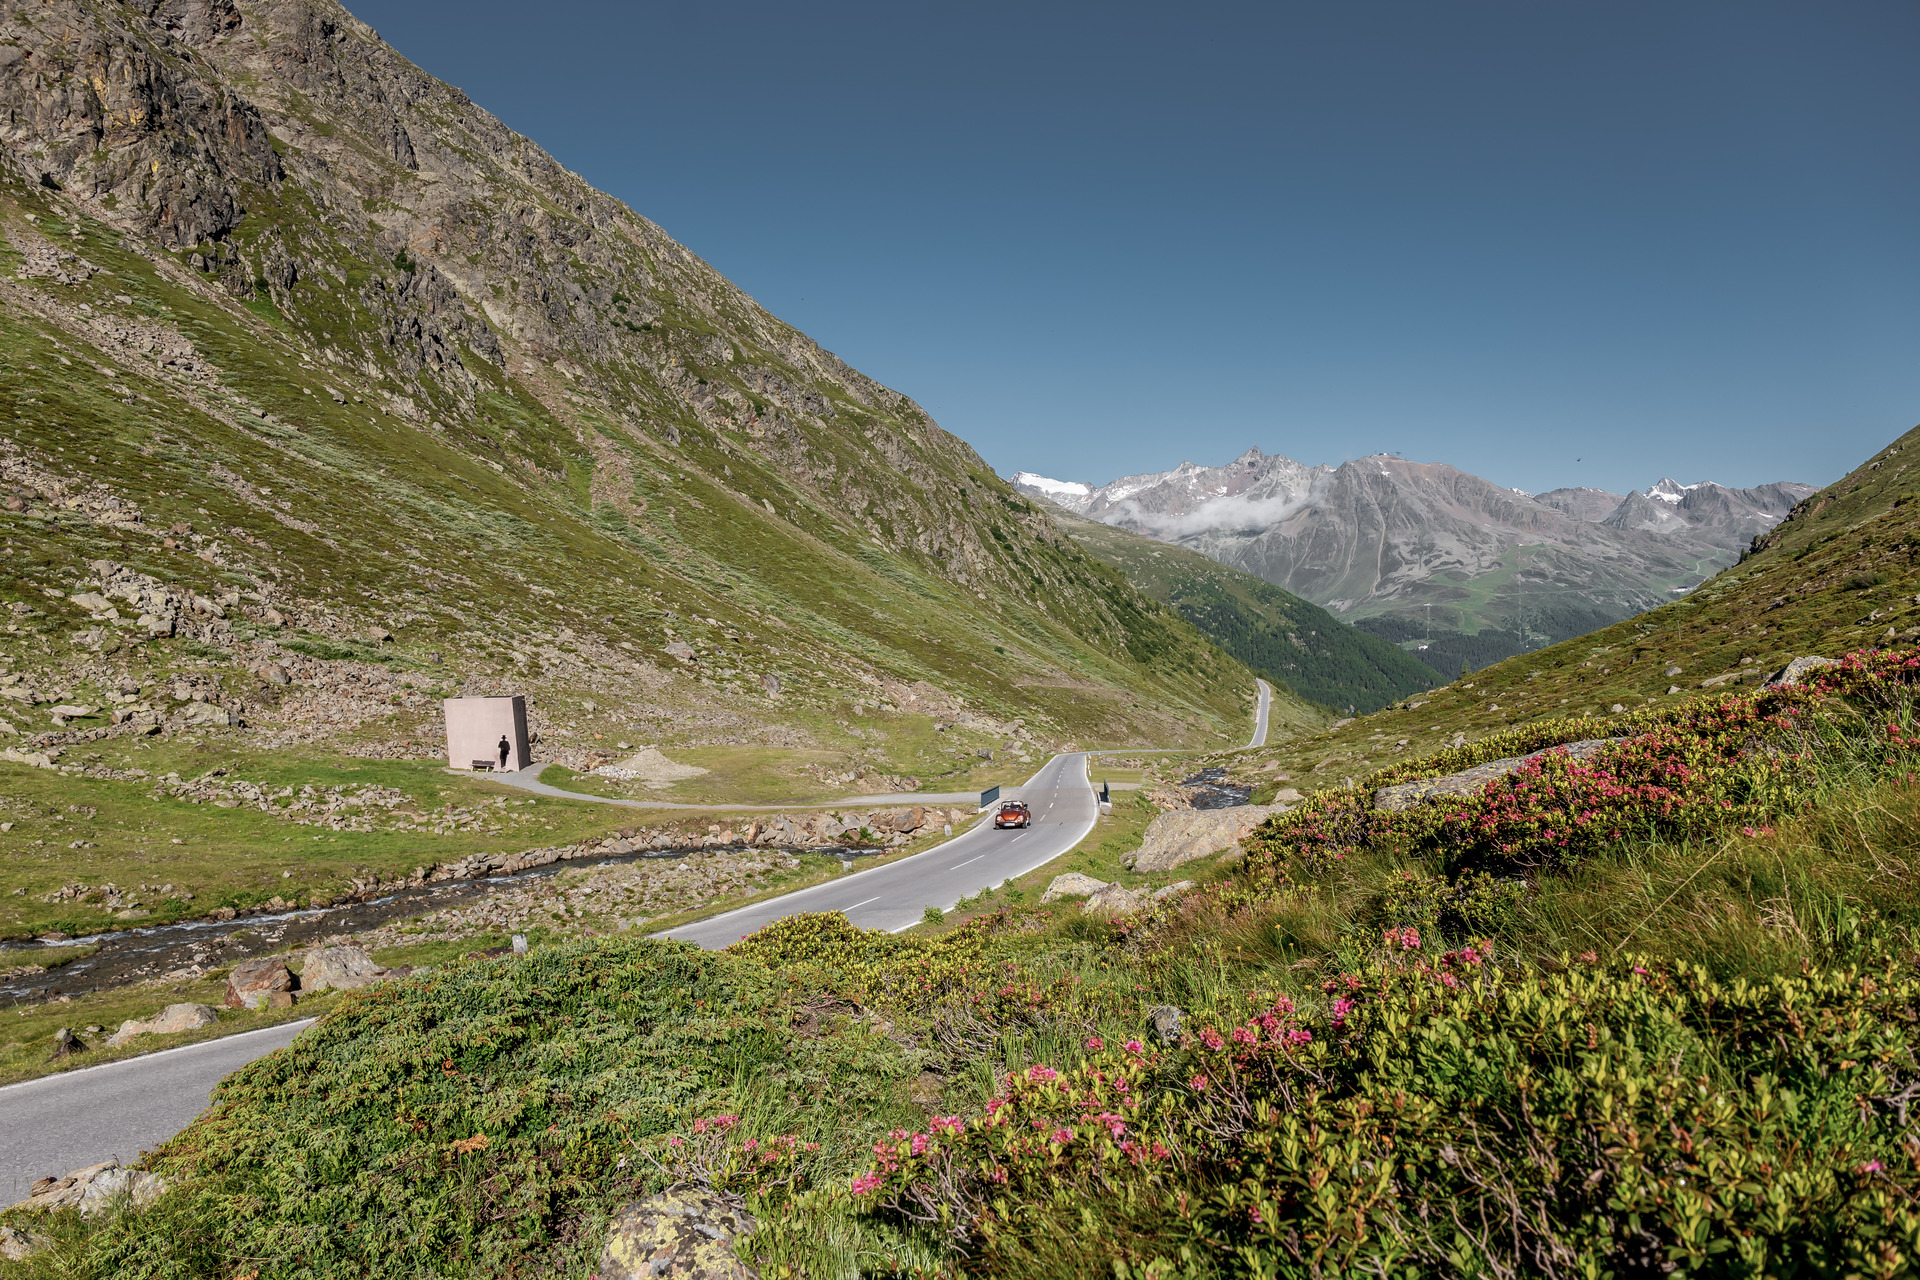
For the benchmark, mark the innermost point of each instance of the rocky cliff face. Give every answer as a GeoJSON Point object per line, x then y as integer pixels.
{"type": "Point", "coordinates": [1423, 547]}
{"type": "Point", "coordinates": [388, 365]}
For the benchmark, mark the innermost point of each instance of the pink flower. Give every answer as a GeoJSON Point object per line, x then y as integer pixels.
{"type": "Point", "coordinates": [1872, 1166]}
{"type": "Point", "coordinates": [1040, 1075]}
{"type": "Point", "coordinates": [1095, 1043]}
{"type": "Point", "coordinates": [1198, 1081]}
{"type": "Point", "coordinates": [1341, 1007]}
{"type": "Point", "coordinates": [919, 1144]}
{"type": "Point", "coordinates": [1134, 1046]}
{"type": "Point", "coordinates": [1245, 1035]}
{"type": "Point", "coordinates": [1211, 1039]}
{"type": "Point", "coordinates": [1061, 1137]}
{"type": "Point", "coordinates": [948, 1124]}
{"type": "Point", "coordinates": [1298, 1036]}
{"type": "Point", "coordinates": [866, 1183]}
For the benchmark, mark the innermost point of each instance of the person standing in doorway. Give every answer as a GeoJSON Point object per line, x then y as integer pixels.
{"type": "Point", "coordinates": [506, 749]}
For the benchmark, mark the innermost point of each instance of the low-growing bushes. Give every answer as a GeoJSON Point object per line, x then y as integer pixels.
{"type": "Point", "coordinates": [1671, 774]}
{"type": "Point", "coordinates": [484, 1121]}
{"type": "Point", "coordinates": [1447, 1116]}
{"type": "Point", "coordinates": [1338, 1092]}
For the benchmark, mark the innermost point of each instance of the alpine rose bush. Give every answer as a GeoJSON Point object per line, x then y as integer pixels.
{"type": "Point", "coordinates": [1443, 1114]}
{"type": "Point", "coordinates": [1676, 773]}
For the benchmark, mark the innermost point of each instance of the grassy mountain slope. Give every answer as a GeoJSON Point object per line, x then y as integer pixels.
{"type": "Point", "coordinates": [1292, 642]}
{"type": "Point", "coordinates": [1839, 574]}
{"type": "Point", "coordinates": [1684, 1045]}
{"type": "Point", "coordinates": [386, 366]}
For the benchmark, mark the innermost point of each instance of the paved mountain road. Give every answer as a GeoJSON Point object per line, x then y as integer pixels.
{"type": "Point", "coordinates": [64, 1122]}
{"type": "Point", "coordinates": [56, 1124]}
{"type": "Point", "coordinates": [896, 895]}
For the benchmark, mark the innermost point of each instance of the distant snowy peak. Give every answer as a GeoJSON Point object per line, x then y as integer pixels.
{"type": "Point", "coordinates": [1673, 492]}
{"type": "Point", "coordinates": [1071, 494]}
{"type": "Point", "coordinates": [1068, 488]}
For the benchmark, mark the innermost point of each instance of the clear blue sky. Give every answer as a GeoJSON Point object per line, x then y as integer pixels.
{"type": "Point", "coordinates": [1659, 237]}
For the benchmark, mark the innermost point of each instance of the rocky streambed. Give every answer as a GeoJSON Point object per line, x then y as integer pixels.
{"type": "Point", "coordinates": [583, 894]}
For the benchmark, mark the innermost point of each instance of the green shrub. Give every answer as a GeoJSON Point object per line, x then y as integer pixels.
{"type": "Point", "coordinates": [1445, 1116]}
{"type": "Point", "coordinates": [490, 1116]}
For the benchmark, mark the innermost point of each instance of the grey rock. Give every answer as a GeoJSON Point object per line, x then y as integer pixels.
{"type": "Point", "coordinates": [681, 650]}
{"type": "Point", "coordinates": [339, 969]}
{"type": "Point", "coordinates": [201, 715]}
{"type": "Point", "coordinates": [1185, 834]}
{"type": "Point", "coordinates": [175, 1017]}
{"type": "Point", "coordinates": [770, 682]}
{"type": "Point", "coordinates": [274, 673]}
{"type": "Point", "coordinates": [1166, 1023]}
{"type": "Point", "coordinates": [16, 1245]}
{"type": "Point", "coordinates": [94, 1188]}
{"type": "Point", "coordinates": [1406, 795]}
{"type": "Point", "coordinates": [66, 1044]}
{"type": "Point", "coordinates": [1173, 890]}
{"type": "Point", "coordinates": [253, 983]}
{"type": "Point", "coordinates": [1072, 885]}
{"type": "Point", "coordinates": [686, 1235]}
{"type": "Point", "coordinates": [1114, 900]}
{"type": "Point", "coordinates": [1796, 671]}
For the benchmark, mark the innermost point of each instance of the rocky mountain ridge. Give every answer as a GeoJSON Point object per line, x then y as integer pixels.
{"type": "Point", "coordinates": [290, 324]}
{"type": "Point", "coordinates": [1416, 551]}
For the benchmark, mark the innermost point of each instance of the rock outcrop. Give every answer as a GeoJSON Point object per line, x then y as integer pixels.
{"type": "Point", "coordinates": [1406, 795]}
{"type": "Point", "coordinates": [1797, 670]}
{"type": "Point", "coordinates": [260, 983]}
{"type": "Point", "coordinates": [341, 968]}
{"type": "Point", "coordinates": [175, 1017]}
{"type": "Point", "coordinates": [1185, 834]}
{"type": "Point", "coordinates": [1072, 885]}
{"type": "Point", "coordinates": [679, 1235]}
{"type": "Point", "coordinates": [1114, 900]}
{"type": "Point", "coordinates": [94, 1188]}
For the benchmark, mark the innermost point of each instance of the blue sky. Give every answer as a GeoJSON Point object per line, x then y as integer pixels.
{"type": "Point", "coordinates": [1549, 243]}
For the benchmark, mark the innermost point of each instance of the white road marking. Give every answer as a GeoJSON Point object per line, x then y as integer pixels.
{"type": "Point", "coordinates": [875, 898]}
{"type": "Point", "coordinates": [975, 858]}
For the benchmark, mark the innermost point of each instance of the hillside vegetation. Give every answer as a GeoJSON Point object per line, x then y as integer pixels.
{"type": "Point", "coordinates": [324, 396]}
{"type": "Point", "coordinates": [1649, 1008]}
{"type": "Point", "coordinates": [1294, 643]}
{"type": "Point", "coordinates": [1366, 1044]}
{"type": "Point", "coordinates": [1842, 572]}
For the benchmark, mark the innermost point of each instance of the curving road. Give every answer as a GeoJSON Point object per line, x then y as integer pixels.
{"type": "Point", "coordinates": [896, 895]}
{"type": "Point", "coordinates": [64, 1122]}
{"type": "Point", "coordinates": [59, 1123]}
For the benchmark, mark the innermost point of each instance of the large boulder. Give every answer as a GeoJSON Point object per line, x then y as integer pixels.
{"type": "Point", "coordinates": [201, 715]}
{"type": "Point", "coordinates": [1467, 782]}
{"type": "Point", "coordinates": [1114, 900]}
{"type": "Point", "coordinates": [18, 1246]}
{"type": "Point", "coordinates": [1797, 670]}
{"type": "Point", "coordinates": [254, 983]}
{"type": "Point", "coordinates": [1072, 885]}
{"type": "Point", "coordinates": [339, 968]}
{"type": "Point", "coordinates": [175, 1017]}
{"type": "Point", "coordinates": [1186, 834]}
{"type": "Point", "coordinates": [687, 1235]}
{"type": "Point", "coordinates": [94, 1188]}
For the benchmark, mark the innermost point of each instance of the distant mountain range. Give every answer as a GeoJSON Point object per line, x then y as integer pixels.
{"type": "Point", "coordinates": [1454, 567]}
